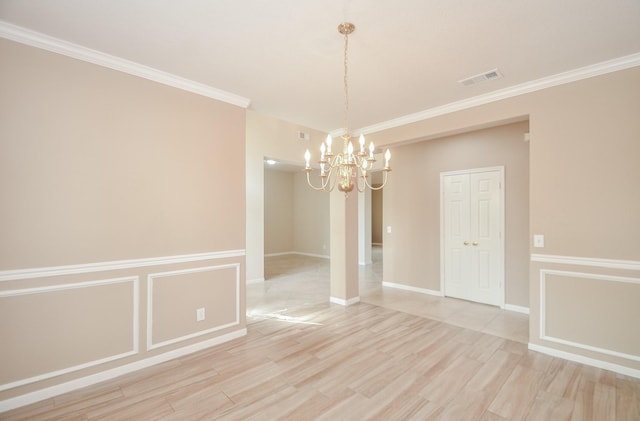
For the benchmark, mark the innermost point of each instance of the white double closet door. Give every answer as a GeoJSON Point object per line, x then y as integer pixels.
{"type": "Point", "coordinates": [472, 240]}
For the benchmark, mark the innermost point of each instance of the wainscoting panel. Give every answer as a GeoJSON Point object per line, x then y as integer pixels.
{"type": "Point", "coordinates": [214, 290]}
{"type": "Point", "coordinates": [591, 311]}
{"type": "Point", "coordinates": [588, 311]}
{"type": "Point", "coordinates": [65, 328]}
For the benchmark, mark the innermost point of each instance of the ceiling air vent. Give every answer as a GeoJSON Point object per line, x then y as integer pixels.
{"type": "Point", "coordinates": [303, 136]}
{"type": "Point", "coordinates": [483, 77]}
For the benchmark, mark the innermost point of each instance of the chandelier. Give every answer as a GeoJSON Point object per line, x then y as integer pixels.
{"type": "Point", "coordinates": [347, 168]}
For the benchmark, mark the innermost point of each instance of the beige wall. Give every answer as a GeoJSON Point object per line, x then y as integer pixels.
{"type": "Point", "coordinates": [412, 205]}
{"type": "Point", "coordinates": [296, 217]}
{"type": "Point", "coordinates": [123, 211]}
{"type": "Point", "coordinates": [584, 172]}
{"type": "Point", "coordinates": [278, 211]}
{"type": "Point", "coordinates": [311, 218]}
{"type": "Point", "coordinates": [376, 216]}
{"type": "Point", "coordinates": [584, 184]}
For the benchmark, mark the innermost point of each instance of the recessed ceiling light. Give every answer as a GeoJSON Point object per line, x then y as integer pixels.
{"type": "Point", "coordinates": [270, 161]}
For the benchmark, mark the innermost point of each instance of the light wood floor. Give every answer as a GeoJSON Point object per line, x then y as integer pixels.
{"type": "Point", "coordinates": [304, 359]}
{"type": "Point", "coordinates": [295, 280]}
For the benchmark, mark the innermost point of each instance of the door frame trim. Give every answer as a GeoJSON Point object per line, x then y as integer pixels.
{"type": "Point", "coordinates": [501, 219]}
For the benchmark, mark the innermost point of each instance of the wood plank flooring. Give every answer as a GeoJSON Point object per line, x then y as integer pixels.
{"type": "Point", "coordinates": [365, 361]}
{"type": "Point", "coordinates": [397, 355]}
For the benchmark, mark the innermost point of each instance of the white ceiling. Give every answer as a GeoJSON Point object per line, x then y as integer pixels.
{"type": "Point", "coordinates": [405, 56]}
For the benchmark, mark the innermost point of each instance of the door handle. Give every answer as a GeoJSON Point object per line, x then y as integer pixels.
{"type": "Point", "coordinates": [475, 243]}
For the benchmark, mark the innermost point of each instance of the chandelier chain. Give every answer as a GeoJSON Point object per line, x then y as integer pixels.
{"type": "Point", "coordinates": [346, 84]}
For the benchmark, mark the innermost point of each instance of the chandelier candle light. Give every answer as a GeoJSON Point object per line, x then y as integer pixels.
{"type": "Point", "coordinates": [346, 167]}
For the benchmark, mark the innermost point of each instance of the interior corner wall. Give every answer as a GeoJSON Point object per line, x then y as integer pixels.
{"type": "Point", "coordinates": [123, 211]}
{"type": "Point", "coordinates": [296, 216]}
{"type": "Point", "coordinates": [412, 205]}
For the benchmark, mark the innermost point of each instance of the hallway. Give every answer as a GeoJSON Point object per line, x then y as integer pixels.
{"type": "Point", "coordinates": [294, 281]}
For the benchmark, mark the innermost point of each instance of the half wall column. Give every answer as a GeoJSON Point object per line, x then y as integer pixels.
{"type": "Point", "coordinates": [344, 248]}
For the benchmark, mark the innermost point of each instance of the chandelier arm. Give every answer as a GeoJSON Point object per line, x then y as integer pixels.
{"type": "Point", "coordinates": [366, 182]}
{"type": "Point", "coordinates": [327, 182]}
{"type": "Point", "coordinates": [330, 180]}
{"type": "Point", "coordinates": [322, 186]}
{"type": "Point", "coordinates": [384, 182]}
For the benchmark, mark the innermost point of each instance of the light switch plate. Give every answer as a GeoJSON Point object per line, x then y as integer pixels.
{"type": "Point", "coordinates": [200, 314]}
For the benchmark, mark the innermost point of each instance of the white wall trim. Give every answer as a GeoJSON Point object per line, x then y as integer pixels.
{"type": "Point", "coordinates": [255, 281]}
{"type": "Point", "coordinates": [543, 311]}
{"type": "Point", "coordinates": [286, 253]}
{"type": "Point", "coordinates": [587, 261]}
{"type": "Point", "coordinates": [616, 368]}
{"type": "Point", "coordinates": [509, 307]}
{"type": "Point", "coordinates": [49, 43]}
{"type": "Point", "coordinates": [283, 253]}
{"type": "Point", "coordinates": [499, 168]}
{"type": "Point", "coordinates": [135, 330]}
{"type": "Point", "coordinates": [14, 275]}
{"type": "Point", "coordinates": [413, 289]}
{"type": "Point", "coordinates": [150, 279]}
{"type": "Point", "coordinates": [345, 303]}
{"type": "Point", "coordinates": [517, 309]}
{"type": "Point", "coordinates": [321, 256]}
{"type": "Point", "coordinates": [586, 72]}
{"type": "Point", "coordinates": [72, 385]}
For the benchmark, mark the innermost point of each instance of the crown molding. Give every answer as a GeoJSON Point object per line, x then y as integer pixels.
{"type": "Point", "coordinates": [586, 72]}
{"type": "Point", "coordinates": [46, 42]}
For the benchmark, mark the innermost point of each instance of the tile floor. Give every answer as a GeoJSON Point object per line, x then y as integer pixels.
{"type": "Point", "coordinates": [294, 281]}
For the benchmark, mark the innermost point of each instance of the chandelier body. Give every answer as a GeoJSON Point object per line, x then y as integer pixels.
{"type": "Point", "coordinates": [346, 169]}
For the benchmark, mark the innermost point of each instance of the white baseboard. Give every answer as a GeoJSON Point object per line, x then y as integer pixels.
{"type": "Point", "coordinates": [322, 256]}
{"type": "Point", "coordinates": [255, 281]}
{"type": "Point", "coordinates": [345, 303]}
{"type": "Point", "coordinates": [616, 368]}
{"type": "Point", "coordinates": [509, 307]}
{"type": "Point", "coordinates": [413, 289]}
{"type": "Point", "coordinates": [517, 309]}
{"type": "Point", "coordinates": [49, 392]}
